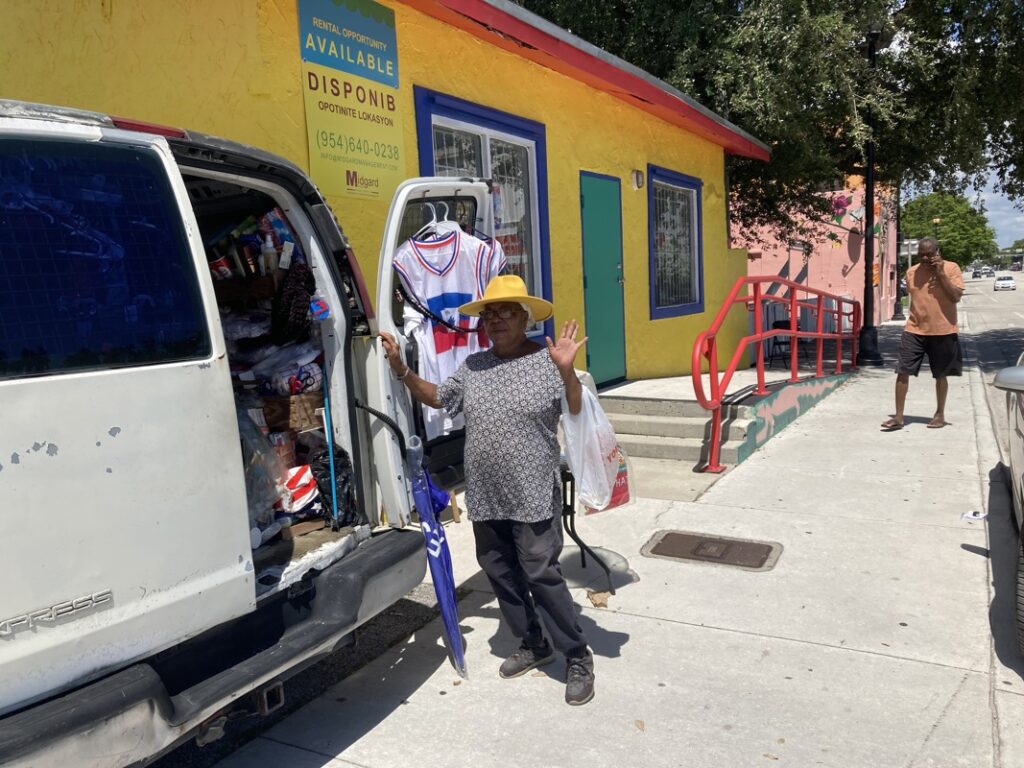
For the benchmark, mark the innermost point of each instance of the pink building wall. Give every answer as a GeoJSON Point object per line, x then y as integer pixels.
{"type": "Point", "coordinates": [835, 265]}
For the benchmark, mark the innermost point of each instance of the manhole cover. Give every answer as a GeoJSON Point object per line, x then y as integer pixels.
{"type": "Point", "coordinates": [741, 553]}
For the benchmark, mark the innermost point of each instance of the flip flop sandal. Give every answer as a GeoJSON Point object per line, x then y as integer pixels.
{"type": "Point", "coordinates": [891, 426]}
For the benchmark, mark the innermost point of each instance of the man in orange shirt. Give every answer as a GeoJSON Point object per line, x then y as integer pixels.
{"type": "Point", "coordinates": [935, 286]}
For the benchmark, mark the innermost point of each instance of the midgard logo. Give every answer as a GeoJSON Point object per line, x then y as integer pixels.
{"type": "Point", "coordinates": [52, 613]}
{"type": "Point", "coordinates": [354, 181]}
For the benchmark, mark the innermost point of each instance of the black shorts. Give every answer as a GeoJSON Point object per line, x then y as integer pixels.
{"type": "Point", "coordinates": [944, 356]}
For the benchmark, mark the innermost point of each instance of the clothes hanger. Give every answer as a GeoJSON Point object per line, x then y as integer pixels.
{"type": "Point", "coordinates": [446, 226]}
{"type": "Point", "coordinates": [430, 225]}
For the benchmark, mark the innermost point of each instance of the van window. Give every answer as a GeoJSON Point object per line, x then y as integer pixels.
{"type": "Point", "coordinates": [95, 267]}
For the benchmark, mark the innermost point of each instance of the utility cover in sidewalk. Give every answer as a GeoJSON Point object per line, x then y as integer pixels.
{"type": "Point", "coordinates": [741, 553]}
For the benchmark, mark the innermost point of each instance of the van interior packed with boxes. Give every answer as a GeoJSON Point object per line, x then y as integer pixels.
{"type": "Point", "coordinates": [299, 482]}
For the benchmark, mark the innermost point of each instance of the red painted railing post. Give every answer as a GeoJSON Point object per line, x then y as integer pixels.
{"type": "Point", "coordinates": [758, 330]}
{"type": "Point", "coordinates": [819, 329]}
{"type": "Point", "coordinates": [840, 314]}
{"type": "Point", "coordinates": [715, 452]}
{"type": "Point", "coordinates": [794, 340]}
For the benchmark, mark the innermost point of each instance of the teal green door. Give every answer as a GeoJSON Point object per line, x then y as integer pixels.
{"type": "Point", "coordinates": [601, 205]}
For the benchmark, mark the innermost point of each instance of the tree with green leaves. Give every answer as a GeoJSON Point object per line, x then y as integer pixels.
{"type": "Point", "coordinates": [962, 229]}
{"type": "Point", "coordinates": [942, 103]}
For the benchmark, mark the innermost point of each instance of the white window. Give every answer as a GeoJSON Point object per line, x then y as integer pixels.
{"type": "Point", "coordinates": [464, 149]}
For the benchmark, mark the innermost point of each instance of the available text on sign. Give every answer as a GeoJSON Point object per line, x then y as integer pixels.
{"type": "Point", "coordinates": [350, 88]}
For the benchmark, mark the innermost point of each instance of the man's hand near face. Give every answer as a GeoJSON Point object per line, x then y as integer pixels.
{"type": "Point", "coordinates": [931, 259]}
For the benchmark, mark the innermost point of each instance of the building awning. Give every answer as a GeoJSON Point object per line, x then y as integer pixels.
{"type": "Point", "coordinates": [508, 26]}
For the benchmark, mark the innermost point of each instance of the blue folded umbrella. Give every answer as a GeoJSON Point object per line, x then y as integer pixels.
{"type": "Point", "coordinates": [430, 502]}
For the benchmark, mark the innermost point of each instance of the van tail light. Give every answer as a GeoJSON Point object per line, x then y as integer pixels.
{"type": "Point", "coordinates": [143, 127]}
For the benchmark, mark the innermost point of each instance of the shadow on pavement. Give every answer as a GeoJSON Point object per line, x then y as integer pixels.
{"type": "Point", "coordinates": [603, 643]}
{"type": "Point", "coordinates": [591, 575]}
{"type": "Point", "coordinates": [997, 348]}
{"type": "Point", "coordinates": [1005, 545]}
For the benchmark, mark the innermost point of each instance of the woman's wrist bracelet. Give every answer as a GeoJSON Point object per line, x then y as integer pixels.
{"type": "Point", "coordinates": [404, 374]}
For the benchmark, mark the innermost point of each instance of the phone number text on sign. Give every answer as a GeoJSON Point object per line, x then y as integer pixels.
{"type": "Point", "coordinates": [332, 140]}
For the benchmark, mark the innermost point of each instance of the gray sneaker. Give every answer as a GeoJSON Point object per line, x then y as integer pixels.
{"type": "Point", "coordinates": [524, 659]}
{"type": "Point", "coordinates": [579, 681]}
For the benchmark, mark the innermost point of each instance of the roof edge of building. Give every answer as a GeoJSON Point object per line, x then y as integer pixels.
{"type": "Point", "coordinates": [586, 62]}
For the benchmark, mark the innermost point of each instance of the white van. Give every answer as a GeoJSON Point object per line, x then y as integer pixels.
{"type": "Point", "coordinates": [142, 598]}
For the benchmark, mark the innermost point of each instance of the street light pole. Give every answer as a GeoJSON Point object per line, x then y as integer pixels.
{"type": "Point", "coordinates": [897, 312]}
{"type": "Point", "coordinates": [868, 344]}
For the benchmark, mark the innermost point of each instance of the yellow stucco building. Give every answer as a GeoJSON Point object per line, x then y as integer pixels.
{"type": "Point", "coordinates": [610, 194]}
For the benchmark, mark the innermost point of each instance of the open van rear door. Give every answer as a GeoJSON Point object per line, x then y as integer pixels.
{"type": "Point", "coordinates": [468, 203]}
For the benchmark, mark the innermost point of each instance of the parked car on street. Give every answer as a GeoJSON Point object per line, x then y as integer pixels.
{"type": "Point", "coordinates": [1004, 283]}
{"type": "Point", "coordinates": [148, 596]}
{"type": "Point", "coordinates": [1011, 381]}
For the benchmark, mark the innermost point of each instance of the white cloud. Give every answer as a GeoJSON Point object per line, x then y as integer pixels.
{"type": "Point", "coordinates": [1003, 217]}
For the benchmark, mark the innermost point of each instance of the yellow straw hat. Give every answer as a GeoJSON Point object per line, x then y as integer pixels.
{"type": "Point", "coordinates": [509, 288]}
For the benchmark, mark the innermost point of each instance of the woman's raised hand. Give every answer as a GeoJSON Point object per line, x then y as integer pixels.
{"type": "Point", "coordinates": [563, 351]}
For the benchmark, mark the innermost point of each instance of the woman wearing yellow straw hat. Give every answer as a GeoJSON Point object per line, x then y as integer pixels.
{"type": "Point", "coordinates": [511, 396]}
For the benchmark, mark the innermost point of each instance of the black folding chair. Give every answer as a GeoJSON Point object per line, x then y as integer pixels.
{"type": "Point", "coordinates": [569, 524]}
{"type": "Point", "coordinates": [780, 346]}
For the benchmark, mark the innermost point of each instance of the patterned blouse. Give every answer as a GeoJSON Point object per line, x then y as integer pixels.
{"type": "Point", "coordinates": [512, 453]}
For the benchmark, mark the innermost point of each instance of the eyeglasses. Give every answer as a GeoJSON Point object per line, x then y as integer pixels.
{"type": "Point", "coordinates": [507, 313]}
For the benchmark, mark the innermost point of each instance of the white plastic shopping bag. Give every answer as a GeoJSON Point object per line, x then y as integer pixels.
{"type": "Point", "coordinates": [622, 488]}
{"type": "Point", "coordinates": [592, 451]}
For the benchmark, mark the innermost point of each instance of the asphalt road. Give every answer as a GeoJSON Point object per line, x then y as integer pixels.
{"type": "Point", "coordinates": [996, 322]}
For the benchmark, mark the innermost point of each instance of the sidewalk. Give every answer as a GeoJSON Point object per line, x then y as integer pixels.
{"type": "Point", "coordinates": [869, 644]}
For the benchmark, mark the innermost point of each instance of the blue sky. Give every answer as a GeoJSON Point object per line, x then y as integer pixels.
{"type": "Point", "coordinates": [1007, 221]}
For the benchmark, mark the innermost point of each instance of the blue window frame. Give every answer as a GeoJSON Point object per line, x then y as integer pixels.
{"type": "Point", "coordinates": [675, 243]}
{"type": "Point", "coordinates": [460, 138]}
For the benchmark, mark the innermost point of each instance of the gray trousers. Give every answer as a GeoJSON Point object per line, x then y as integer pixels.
{"type": "Point", "coordinates": [521, 562]}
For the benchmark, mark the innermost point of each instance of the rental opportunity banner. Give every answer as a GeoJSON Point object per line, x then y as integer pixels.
{"type": "Point", "coordinates": [350, 88]}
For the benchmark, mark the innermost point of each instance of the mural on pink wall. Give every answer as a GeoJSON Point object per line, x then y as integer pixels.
{"type": "Point", "coordinates": [830, 253]}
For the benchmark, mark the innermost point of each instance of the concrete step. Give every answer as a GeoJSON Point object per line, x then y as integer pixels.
{"type": "Point", "coordinates": [676, 426]}
{"type": "Point", "coordinates": [679, 408]}
{"type": "Point", "coordinates": [689, 449]}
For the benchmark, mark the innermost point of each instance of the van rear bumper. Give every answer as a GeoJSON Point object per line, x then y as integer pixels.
{"type": "Point", "coordinates": [128, 718]}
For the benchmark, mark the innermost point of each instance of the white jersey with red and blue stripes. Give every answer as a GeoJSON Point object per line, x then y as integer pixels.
{"type": "Point", "coordinates": [443, 274]}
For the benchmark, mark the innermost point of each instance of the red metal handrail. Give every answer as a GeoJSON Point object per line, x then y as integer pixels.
{"type": "Point", "coordinates": [706, 345]}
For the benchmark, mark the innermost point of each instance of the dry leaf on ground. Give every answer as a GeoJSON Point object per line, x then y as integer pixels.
{"type": "Point", "coordinates": [598, 599]}
{"type": "Point", "coordinates": [640, 725]}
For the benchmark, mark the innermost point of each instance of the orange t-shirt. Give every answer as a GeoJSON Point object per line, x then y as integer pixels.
{"type": "Point", "coordinates": [932, 310]}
